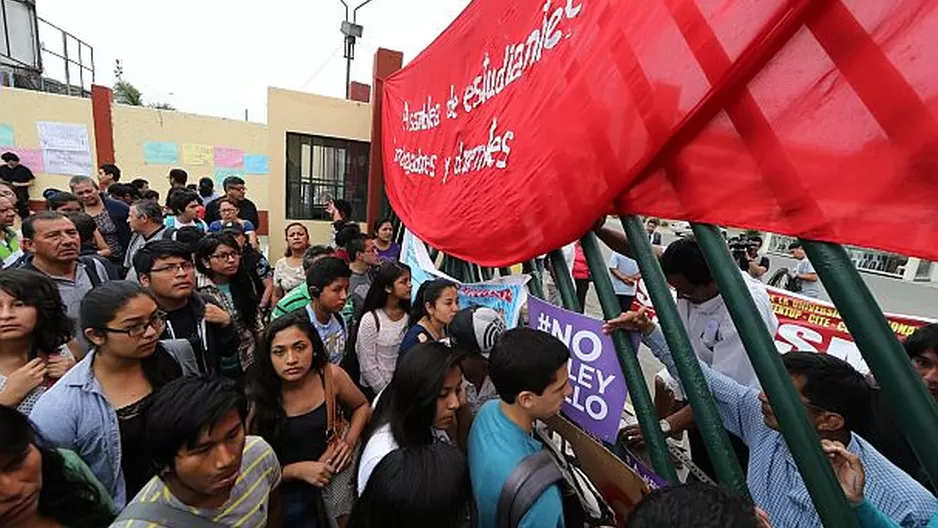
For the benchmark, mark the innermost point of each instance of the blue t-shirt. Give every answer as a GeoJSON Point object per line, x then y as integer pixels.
{"type": "Point", "coordinates": [496, 447]}
{"type": "Point", "coordinates": [332, 334]}
{"type": "Point", "coordinates": [170, 221]}
{"type": "Point", "coordinates": [625, 266]}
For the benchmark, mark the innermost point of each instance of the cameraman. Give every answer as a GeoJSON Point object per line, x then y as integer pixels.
{"type": "Point", "coordinates": [757, 265]}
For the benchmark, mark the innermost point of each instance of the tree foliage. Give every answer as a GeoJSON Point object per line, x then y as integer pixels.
{"type": "Point", "coordinates": [128, 94]}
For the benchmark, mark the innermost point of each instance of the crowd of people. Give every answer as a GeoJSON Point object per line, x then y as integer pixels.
{"type": "Point", "coordinates": [157, 370]}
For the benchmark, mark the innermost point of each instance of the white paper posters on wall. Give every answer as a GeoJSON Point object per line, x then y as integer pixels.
{"type": "Point", "coordinates": [65, 148]}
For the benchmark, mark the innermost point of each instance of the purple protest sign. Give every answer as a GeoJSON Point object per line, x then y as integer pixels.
{"type": "Point", "coordinates": [651, 478]}
{"type": "Point", "coordinates": [599, 389]}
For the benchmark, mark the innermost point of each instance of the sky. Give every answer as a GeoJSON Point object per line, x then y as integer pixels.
{"type": "Point", "coordinates": [217, 57]}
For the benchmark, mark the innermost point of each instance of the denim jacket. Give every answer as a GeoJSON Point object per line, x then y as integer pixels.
{"type": "Point", "coordinates": [75, 414]}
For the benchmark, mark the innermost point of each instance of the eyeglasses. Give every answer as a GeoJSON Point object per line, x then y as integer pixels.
{"type": "Point", "coordinates": [184, 266]}
{"type": "Point", "coordinates": [226, 256]}
{"type": "Point", "coordinates": [156, 321]}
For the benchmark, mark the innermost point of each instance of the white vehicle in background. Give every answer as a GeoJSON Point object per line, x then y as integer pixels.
{"type": "Point", "coordinates": [680, 228]}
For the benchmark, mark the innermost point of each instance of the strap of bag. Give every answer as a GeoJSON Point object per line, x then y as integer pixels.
{"type": "Point", "coordinates": [162, 515]}
{"type": "Point", "coordinates": [329, 390]}
{"type": "Point", "coordinates": [524, 486]}
{"type": "Point", "coordinates": [92, 269]}
{"type": "Point", "coordinates": [335, 421]}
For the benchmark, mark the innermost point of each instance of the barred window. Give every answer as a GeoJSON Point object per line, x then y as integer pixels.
{"type": "Point", "coordinates": [320, 169]}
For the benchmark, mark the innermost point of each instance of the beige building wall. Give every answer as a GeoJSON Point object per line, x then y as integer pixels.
{"type": "Point", "coordinates": [287, 111]}
{"type": "Point", "coordinates": [22, 109]}
{"type": "Point", "coordinates": [290, 111]}
{"type": "Point", "coordinates": [134, 126]}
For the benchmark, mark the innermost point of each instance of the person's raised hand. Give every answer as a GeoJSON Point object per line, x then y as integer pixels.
{"type": "Point", "coordinates": [26, 378]}
{"type": "Point", "coordinates": [632, 434]}
{"type": "Point", "coordinates": [634, 321]}
{"type": "Point", "coordinates": [848, 468]}
{"type": "Point", "coordinates": [216, 314]}
{"type": "Point", "coordinates": [58, 365]}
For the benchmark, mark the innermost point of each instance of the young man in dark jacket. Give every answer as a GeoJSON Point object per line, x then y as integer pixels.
{"type": "Point", "coordinates": [165, 267]}
{"type": "Point", "coordinates": [234, 190]}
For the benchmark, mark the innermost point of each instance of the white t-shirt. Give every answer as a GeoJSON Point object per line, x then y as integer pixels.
{"type": "Point", "coordinates": [714, 337]}
{"type": "Point", "coordinates": [379, 445]}
{"type": "Point", "coordinates": [809, 288]}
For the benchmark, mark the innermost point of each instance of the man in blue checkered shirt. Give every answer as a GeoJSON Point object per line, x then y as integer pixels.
{"type": "Point", "coordinates": [836, 399]}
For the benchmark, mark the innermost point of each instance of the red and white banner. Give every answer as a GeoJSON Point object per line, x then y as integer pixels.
{"type": "Point", "coordinates": [812, 325]}
{"type": "Point", "coordinates": [526, 119]}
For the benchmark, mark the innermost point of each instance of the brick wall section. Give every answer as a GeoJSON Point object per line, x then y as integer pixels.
{"type": "Point", "coordinates": [101, 100]}
{"type": "Point", "coordinates": [360, 92]}
{"type": "Point", "coordinates": [386, 63]}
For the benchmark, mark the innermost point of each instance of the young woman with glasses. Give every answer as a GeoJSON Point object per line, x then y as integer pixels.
{"type": "Point", "coordinates": [224, 278]}
{"type": "Point", "coordinates": [95, 409]}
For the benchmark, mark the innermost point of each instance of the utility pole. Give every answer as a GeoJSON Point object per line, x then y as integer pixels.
{"type": "Point", "coordinates": [352, 31]}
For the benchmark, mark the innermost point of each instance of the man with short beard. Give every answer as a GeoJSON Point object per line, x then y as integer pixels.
{"type": "Point", "coordinates": [54, 243]}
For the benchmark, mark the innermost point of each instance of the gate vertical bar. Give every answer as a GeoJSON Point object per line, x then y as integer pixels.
{"type": "Point", "coordinates": [535, 285]}
{"type": "Point", "coordinates": [564, 281]}
{"type": "Point", "coordinates": [628, 362]}
{"type": "Point", "coordinates": [698, 394]}
{"type": "Point", "coordinates": [800, 436]}
{"type": "Point", "coordinates": [882, 351]}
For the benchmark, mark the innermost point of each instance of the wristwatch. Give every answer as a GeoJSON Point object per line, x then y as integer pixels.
{"type": "Point", "coordinates": [665, 427]}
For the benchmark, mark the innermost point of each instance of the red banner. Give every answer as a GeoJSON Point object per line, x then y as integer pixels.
{"type": "Point", "coordinates": [811, 325]}
{"type": "Point", "coordinates": [526, 119]}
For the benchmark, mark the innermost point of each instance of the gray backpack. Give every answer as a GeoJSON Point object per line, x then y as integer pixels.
{"type": "Point", "coordinates": [524, 486]}
{"type": "Point", "coordinates": [583, 505]}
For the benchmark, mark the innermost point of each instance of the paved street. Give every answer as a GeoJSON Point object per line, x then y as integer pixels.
{"type": "Point", "coordinates": [893, 295]}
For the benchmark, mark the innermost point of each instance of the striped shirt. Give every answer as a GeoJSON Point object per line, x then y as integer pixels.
{"type": "Point", "coordinates": [247, 506]}
{"type": "Point", "coordinates": [774, 480]}
{"type": "Point", "coordinates": [295, 300]}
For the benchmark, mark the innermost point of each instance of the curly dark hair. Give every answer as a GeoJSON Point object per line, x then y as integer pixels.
{"type": "Point", "coordinates": [266, 386]}
{"type": "Point", "coordinates": [53, 326]}
{"type": "Point", "coordinates": [64, 497]}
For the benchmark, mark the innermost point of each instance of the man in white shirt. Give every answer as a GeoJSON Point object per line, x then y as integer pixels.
{"type": "Point", "coordinates": [804, 271]}
{"type": "Point", "coordinates": [709, 326]}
